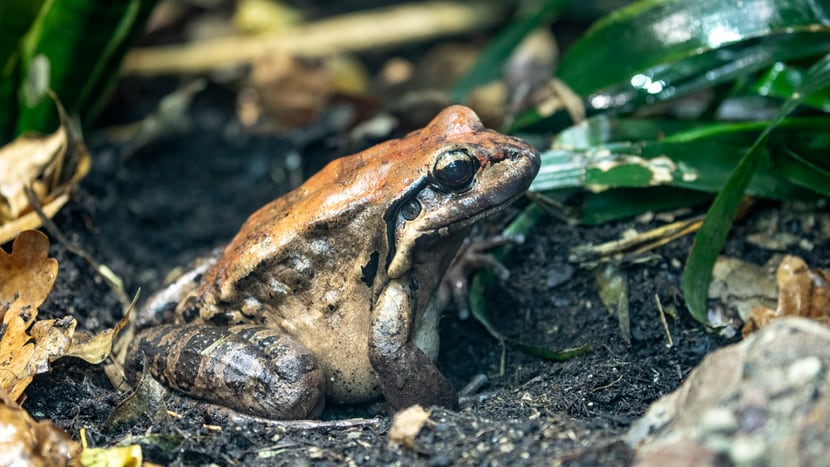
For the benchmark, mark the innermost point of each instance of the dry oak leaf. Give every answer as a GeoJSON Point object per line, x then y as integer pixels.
{"type": "Point", "coordinates": [49, 165]}
{"type": "Point", "coordinates": [27, 346]}
{"type": "Point", "coordinates": [24, 441]}
{"type": "Point", "coordinates": [802, 292]}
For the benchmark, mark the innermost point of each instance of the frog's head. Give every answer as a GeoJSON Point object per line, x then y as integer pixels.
{"type": "Point", "coordinates": [469, 172]}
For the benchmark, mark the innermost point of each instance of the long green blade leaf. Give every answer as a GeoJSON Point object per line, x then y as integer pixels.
{"type": "Point", "coordinates": [712, 234]}
{"type": "Point", "coordinates": [16, 17]}
{"type": "Point", "coordinates": [77, 44]}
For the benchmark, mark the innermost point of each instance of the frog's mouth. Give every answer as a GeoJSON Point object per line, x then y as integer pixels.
{"type": "Point", "coordinates": [467, 221]}
{"type": "Point", "coordinates": [441, 215]}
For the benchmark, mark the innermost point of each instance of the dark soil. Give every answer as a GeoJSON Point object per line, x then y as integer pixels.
{"type": "Point", "coordinates": [178, 199]}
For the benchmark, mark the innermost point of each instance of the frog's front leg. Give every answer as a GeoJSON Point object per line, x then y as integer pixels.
{"type": "Point", "coordinates": [252, 369]}
{"type": "Point", "coordinates": [407, 376]}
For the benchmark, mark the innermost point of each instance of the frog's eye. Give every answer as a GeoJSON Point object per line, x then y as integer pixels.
{"type": "Point", "coordinates": [455, 169]}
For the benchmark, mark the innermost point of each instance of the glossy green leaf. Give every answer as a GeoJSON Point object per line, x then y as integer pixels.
{"type": "Point", "coordinates": [604, 153]}
{"type": "Point", "coordinates": [490, 64]}
{"type": "Point", "coordinates": [712, 234]}
{"type": "Point", "coordinates": [641, 39]}
{"type": "Point", "coordinates": [655, 50]}
{"type": "Point", "coordinates": [78, 44]}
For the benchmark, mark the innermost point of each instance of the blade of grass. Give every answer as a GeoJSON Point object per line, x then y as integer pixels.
{"type": "Point", "coordinates": [712, 234]}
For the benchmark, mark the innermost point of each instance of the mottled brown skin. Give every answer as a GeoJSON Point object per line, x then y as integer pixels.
{"type": "Point", "coordinates": [347, 264]}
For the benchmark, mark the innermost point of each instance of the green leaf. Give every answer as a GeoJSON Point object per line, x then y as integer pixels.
{"type": "Point", "coordinates": [489, 65]}
{"type": "Point", "coordinates": [657, 32]}
{"type": "Point", "coordinates": [712, 234]}
{"type": "Point", "coordinates": [81, 43]}
{"type": "Point", "coordinates": [675, 47]}
{"type": "Point", "coordinates": [16, 17]}
{"type": "Point", "coordinates": [604, 153]}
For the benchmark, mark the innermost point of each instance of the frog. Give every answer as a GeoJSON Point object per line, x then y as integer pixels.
{"type": "Point", "coordinates": [328, 292]}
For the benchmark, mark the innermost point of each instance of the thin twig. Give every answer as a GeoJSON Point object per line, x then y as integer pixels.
{"type": "Point", "coordinates": [600, 388]}
{"type": "Point", "coordinates": [104, 271]}
{"type": "Point", "coordinates": [308, 424]}
{"type": "Point", "coordinates": [663, 320]}
{"type": "Point", "coordinates": [363, 31]}
{"type": "Point", "coordinates": [474, 385]}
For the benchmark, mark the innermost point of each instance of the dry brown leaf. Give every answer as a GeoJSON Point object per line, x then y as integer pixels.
{"type": "Point", "coordinates": [291, 91]}
{"type": "Point", "coordinates": [48, 164]}
{"type": "Point", "coordinates": [27, 274]}
{"type": "Point", "coordinates": [742, 286]}
{"type": "Point", "coordinates": [27, 347]}
{"type": "Point", "coordinates": [31, 220]}
{"type": "Point", "coordinates": [802, 292]}
{"type": "Point", "coordinates": [52, 338]}
{"type": "Point", "coordinates": [95, 349]}
{"type": "Point", "coordinates": [21, 162]}
{"type": "Point", "coordinates": [23, 441]}
{"type": "Point", "coordinates": [406, 425]}
{"type": "Point", "coordinates": [148, 398]}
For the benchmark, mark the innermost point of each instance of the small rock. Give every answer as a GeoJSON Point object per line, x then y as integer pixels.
{"type": "Point", "coordinates": [762, 401]}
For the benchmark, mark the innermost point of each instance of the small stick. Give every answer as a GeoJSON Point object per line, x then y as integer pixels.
{"type": "Point", "coordinates": [103, 270]}
{"type": "Point", "coordinates": [308, 424]}
{"type": "Point", "coordinates": [362, 31]}
{"type": "Point", "coordinates": [663, 320]}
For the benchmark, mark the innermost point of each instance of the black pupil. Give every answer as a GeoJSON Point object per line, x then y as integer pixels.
{"type": "Point", "coordinates": [454, 169]}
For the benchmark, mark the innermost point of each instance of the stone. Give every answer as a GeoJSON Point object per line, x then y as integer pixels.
{"type": "Point", "coordinates": [762, 401]}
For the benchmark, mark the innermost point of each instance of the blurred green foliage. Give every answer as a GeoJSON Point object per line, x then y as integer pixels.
{"type": "Point", "coordinates": [71, 47]}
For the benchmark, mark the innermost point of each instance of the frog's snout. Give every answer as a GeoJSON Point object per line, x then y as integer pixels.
{"type": "Point", "coordinates": [526, 156]}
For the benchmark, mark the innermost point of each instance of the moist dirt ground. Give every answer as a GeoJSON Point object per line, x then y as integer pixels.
{"type": "Point", "coordinates": [177, 199]}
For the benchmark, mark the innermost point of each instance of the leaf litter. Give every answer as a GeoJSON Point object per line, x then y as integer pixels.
{"type": "Point", "coordinates": [49, 165]}
{"type": "Point", "coordinates": [28, 346]}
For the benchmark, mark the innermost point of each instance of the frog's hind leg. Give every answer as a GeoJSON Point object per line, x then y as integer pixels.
{"type": "Point", "coordinates": [252, 369]}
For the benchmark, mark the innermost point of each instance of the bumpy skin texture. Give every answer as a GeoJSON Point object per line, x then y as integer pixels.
{"type": "Point", "coordinates": [347, 264]}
